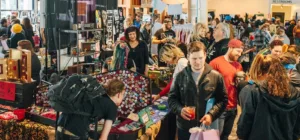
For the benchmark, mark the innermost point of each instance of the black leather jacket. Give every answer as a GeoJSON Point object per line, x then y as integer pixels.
{"type": "Point", "coordinates": [185, 93]}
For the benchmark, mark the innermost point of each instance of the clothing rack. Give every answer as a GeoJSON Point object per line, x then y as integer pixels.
{"type": "Point", "coordinates": [183, 32]}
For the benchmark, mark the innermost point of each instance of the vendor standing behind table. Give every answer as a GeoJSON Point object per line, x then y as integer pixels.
{"type": "Point", "coordinates": [76, 127]}
{"type": "Point", "coordinates": [163, 36]}
{"type": "Point", "coordinates": [35, 62]}
{"type": "Point", "coordinates": [138, 50]}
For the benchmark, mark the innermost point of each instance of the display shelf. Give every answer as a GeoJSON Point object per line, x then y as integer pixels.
{"type": "Point", "coordinates": [77, 32]}
{"type": "Point", "coordinates": [82, 54]}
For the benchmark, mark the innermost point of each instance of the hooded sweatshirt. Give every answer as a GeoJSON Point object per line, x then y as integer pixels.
{"type": "Point", "coordinates": [266, 117]}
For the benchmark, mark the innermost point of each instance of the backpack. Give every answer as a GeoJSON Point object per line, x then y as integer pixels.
{"type": "Point", "coordinates": [70, 93]}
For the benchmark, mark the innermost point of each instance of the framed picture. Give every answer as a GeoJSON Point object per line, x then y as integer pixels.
{"type": "Point", "coordinates": [26, 66]}
{"type": "Point", "coordinates": [15, 54]}
{"type": "Point", "coordinates": [3, 69]}
{"type": "Point", "coordinates": [13, 69]}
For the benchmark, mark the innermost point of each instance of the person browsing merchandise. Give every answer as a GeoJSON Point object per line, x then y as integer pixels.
{"type": "Point", "coordinates": [191, 89]}
{"type": "Point", "coordinates": [76, 127]}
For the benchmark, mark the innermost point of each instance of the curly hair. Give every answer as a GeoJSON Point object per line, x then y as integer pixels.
{"type": "Point", "coordinates": [132, 29]}
{"type": "Point", "coordinates": [274, 73]}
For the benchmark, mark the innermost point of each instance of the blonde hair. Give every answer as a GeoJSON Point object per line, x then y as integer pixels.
{"type": "Point", "coordinates": [170, 53]}
{"type": "Point", "coordinates": [130, 22]}
{"type": "Point", "coordinates": [197, 30]}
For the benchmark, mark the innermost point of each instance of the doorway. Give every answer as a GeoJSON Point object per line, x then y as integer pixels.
{"type": "Point", "coordinates": [279, 15]}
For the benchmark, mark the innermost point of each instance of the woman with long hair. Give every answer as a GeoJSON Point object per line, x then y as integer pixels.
{"type": "Point", "coordinates": [199, 34]}
{"type": "Point", "coordinates": [271, 109]}
{"type": "Point", "coordinates": [120, 59]}
{"type": "Point", "coordinates": [171, 54]}
{"type": "Point", "coordinates": [138, 50]}
{"type": "Point", "coordinates": [35, 62]}
{"type": "Point", "coordinates": [28, 30]}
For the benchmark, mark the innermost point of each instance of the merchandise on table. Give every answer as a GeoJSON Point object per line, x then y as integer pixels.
{"type": "Point", "coordinates": [137, 94]}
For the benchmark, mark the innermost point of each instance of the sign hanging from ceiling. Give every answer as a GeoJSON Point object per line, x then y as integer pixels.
{"type": "Point", "coordinates": [283, 1]}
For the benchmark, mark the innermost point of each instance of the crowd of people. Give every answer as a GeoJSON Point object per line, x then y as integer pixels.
{"type": "Point", "coordinates": [250, 63]}
{"type": "Point", "coordinates": [247, 62]}
{"type": "Point", "coordinates": [19, 35]}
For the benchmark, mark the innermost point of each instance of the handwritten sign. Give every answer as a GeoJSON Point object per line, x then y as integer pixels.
{"type": "Point", "coordinates": [7, 91]}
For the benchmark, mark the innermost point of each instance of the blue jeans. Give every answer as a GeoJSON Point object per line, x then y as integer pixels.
{"type": "Point", "coordinates": [183, 134]}
{"type": "Point", "coordinates": [226, 122]}
{"type": "Point", "coordinates": [297, 41]}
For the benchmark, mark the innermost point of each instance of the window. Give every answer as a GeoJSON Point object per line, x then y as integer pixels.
{"type": "Point", "coordinates": [8, 4]}
{"type": "Point", "coordinates": [25, 4]}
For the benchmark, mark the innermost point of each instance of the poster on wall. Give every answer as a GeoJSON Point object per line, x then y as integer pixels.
{"type": "Point", "coordinates": [110, 18]}
{"type": "Point", "coordinates": [121, 17]}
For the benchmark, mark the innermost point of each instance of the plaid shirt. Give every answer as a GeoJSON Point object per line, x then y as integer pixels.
{"type": "Point", "coordinates": [261, 39]}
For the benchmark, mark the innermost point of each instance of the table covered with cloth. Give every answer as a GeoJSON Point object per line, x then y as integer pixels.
{"type": "Point", "coordinates": [25, 130]}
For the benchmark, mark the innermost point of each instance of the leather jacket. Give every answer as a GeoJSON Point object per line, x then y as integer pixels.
{"type": "Point", "coordinates": [185, 93]}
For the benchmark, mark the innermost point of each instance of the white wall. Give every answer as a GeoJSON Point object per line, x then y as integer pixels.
{"type": "Point", "coordinates": [239, 7]}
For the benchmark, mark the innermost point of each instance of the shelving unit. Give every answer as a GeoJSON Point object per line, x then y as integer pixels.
{"type": "Point", "coordinates": [77, 32]}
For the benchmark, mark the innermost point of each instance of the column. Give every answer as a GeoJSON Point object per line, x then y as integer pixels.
{"type": "Point", "coordinates": [198, 11]}
{"type": "Point", "coordinates": [202, 11]}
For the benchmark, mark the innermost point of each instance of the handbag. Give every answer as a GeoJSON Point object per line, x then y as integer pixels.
{"type": "Point", "coordinates": [204, 133]}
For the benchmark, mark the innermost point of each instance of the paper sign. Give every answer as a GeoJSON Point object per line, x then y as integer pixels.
{"type": "Point", "coordinates": [7, 91]}
{"type": "Point", "coordinates": [146, 18]}
{"type": "Point", "coordinates": [159, 5]}
{"type": "Point", "coordinates": [4, 44]}
{"type": "Point", "coordinates": [175, 9]}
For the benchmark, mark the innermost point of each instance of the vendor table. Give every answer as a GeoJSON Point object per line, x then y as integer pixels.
{"type": "Point", "coordinates": [25, 130]}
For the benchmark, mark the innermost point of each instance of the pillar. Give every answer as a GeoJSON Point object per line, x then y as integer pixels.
{"type": "Point", "coordinates": [202, 11]}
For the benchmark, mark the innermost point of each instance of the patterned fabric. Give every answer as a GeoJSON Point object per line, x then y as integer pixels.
{"type": "Point", "coordinates": [25, 130]}
{"type": "Point", "coordinates": [261, 39]}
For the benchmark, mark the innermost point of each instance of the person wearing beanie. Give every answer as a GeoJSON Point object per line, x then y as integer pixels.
{"type": "Point", "coordinates": [219, 47]}
{"type": "Point", "coordinates": [227, 65]}
{"type": "Point", "coordinates": [228, 21]}
{"type": "Point", "coordinates": [17, 30]}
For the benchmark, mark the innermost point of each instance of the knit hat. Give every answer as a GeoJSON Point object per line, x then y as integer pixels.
{"type": "Point", "coordinates": [16, 28]}
{"type": "Point", "coordinates": [235, 43]}
{"type": "Point", "coordinates": [227, 18]}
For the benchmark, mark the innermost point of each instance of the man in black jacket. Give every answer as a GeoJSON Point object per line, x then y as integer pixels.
{"type": "Point", "coordinates": [219, 47]}
{"type": "Point", "coordinates": [192, 87]}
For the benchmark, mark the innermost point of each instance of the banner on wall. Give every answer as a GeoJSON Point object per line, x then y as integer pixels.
{"type": "Point", "coordinates": [110, 18]}
{"type": "Point", "coordinates": [283, 1]}
{"type": "Point", "coordinates": [175, 9]}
